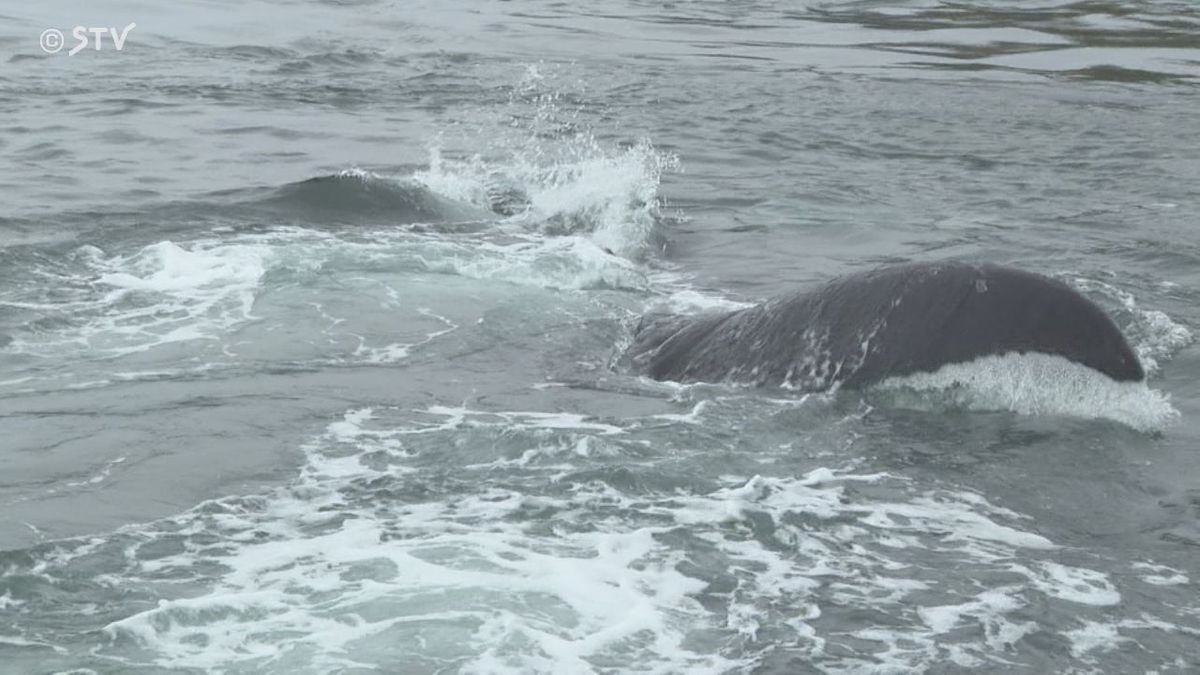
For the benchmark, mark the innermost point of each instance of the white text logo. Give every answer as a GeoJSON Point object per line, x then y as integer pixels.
{"type": "Point", "coordinates": [53, 41]}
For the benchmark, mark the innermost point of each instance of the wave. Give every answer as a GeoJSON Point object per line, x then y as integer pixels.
{"type": "Point", "coordinates": [354, 196]}
{"type": "Point", "coordinates": [575, 189]}
{"type": "Point", "coordinates": [537, 173]}
{"type": "Point", "coordinates": [1032, 384]}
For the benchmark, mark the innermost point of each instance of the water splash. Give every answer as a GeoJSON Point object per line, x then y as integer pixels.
{"type": "Point", "coordinates": [1033, 384]}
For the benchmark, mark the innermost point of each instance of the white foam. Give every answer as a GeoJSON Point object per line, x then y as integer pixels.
{"type": "Point", "coordinates": [191, 293]}
{"type": "Point", "coordinates": [527, 420]}
{"type": "Point", "coordinates": [692, 417]}
{"type": "Point", "coordinates": [1040, 384]}
{"type": "Point", "coordinates": [7, 600]}
{"type": "Point", "coordinates": [1159, 338]}
{"type": "Point", "coordinates": [22, 642]}
{"type": "Point", "coordinates": [588, 574]}
{"type": "Point", "coordinates": [563, 263]}
{"type": "Point", "coordinates": [988, 609]}
{"type": "Point", "coordinates": [360, 174]}
{"type": "Point", "coordinates": [215, 294]}
{"type": "Point", "coordinates": [164, 293]}
{"type": "Point", "coordinates": [1092, 636]}
{"type": "Point", "coordinates": [167, 267]}
{"type": "Point", "coordinates": [350, 427]}
{"type": "Point", "coordinates": [955, 523]}
{"type": "Point", "coordinates": [1098, 636]}
{"type": "Point", "coordinates": [688, 300]}
{"type": "Point", "coordinates": [1083, 586]}
{"type": "Point", "coordinates": [1160, 575]}
{"type": "Point", "coordinates": [512, 563]}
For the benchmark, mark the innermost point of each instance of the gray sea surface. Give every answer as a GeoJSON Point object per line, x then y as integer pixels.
{"type": "Point", "coordinates": [310, 311]}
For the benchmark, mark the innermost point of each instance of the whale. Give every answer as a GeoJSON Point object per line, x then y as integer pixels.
{"type": "Point", "coordinates": [891, 321]}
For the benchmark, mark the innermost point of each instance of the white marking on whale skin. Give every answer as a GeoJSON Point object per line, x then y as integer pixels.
{"type": "Point", "coordinates": [814, 368]}
{"type": "Point", "coordinates": [981, 286]}
{"type": "Point", "coordinates": [1035, 384]}
{"type": "Point", "coordinates": [865, 346]}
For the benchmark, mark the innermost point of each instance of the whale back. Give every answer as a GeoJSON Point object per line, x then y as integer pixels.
{"type": "Point", "coordinates": [898, 320]}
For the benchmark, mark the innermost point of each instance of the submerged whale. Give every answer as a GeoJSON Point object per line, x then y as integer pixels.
{"type": "Point", "coordinates": [891, 321]}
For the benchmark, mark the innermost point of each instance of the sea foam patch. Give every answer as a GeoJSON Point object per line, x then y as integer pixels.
{"type": "Point", "coordinates": [163, 293]}
{"type": "Point", "coordinates": [539, 552]}
{"type": "Point", "coordinates": [209, 302]}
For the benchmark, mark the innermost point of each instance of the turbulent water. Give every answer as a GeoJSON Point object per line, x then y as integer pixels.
{"type": "Point", "coordinates": [310, 317]}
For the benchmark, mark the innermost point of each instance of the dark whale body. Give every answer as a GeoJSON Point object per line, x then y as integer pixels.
{"type": "Point", "coordinates": [862, 328]}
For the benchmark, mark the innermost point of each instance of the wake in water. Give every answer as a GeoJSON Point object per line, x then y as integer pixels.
{"type": "Point", "coordinates": [119, 304]}
{"type": "Point", "coordinates": [563, 542]}
{"type": "Point", "coordinates": [558, 213]}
